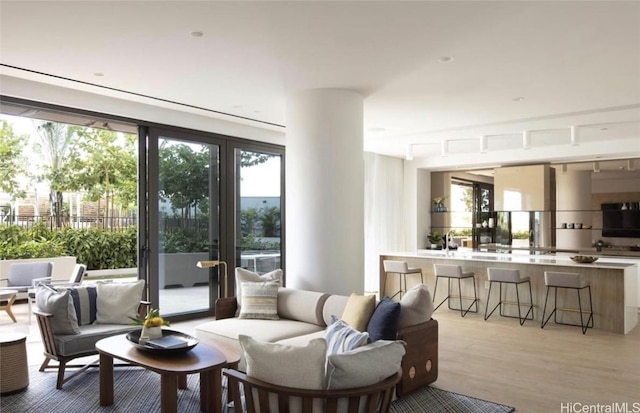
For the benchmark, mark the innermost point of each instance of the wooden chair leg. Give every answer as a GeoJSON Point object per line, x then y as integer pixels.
{"type": "Point", "coordinates": [61, 367]}
{"type": "Point", "coordinates": [45, 363]}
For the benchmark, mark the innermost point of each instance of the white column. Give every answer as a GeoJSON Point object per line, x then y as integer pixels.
{"type": "Point", "coordinates": [325, 191]}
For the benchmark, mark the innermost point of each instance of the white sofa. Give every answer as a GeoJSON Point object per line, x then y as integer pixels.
{"type": "Point", "coordinates": [304, 315]}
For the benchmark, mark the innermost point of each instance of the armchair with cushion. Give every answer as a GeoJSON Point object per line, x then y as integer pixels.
{"type": "Point", "coordinates": [72, 320]}
{"type": "Point", "coordinates": [332, 379]}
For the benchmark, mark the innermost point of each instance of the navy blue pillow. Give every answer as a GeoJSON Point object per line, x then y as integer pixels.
{"type": "Point", "coordinates": [383, 324]}
{"type": "Point", "coordinates": [84, 302]}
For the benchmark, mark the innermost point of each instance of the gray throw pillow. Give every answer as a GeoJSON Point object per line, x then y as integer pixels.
{"type": "Point", "coordinates": [58, 303]}
{"type": "Point", "coordinates": [364, 365]}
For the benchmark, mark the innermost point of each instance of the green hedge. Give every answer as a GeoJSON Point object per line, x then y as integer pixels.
{"type": "Point", "coordinates": [97, 248]}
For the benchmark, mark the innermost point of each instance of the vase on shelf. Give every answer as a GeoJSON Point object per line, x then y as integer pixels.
{"type": "Point", "coordinates": [439, 207]}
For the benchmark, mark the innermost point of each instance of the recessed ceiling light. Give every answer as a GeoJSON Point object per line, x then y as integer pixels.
{"type": "Point", "coordinates": [518, 99]}
{"type": "Point", "coordinates": [445, 59]}
{"type": "Point", "coordinates": [196, 33]}
{"type": "Point", "coordinates": [98, 74]}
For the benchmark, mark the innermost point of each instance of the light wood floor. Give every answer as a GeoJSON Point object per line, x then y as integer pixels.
{"type": "Point", "coordinates": [531, 369]}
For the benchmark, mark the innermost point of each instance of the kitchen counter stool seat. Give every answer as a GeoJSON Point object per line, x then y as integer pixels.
{"type": "Point", "coordinates": [508, 276]}
{"type": "Point", "coordinates": [401, 268]}
{"type": "Point", "coordinates": [449, 272]}
{"type": "Point", "coordinates": [572, 281]}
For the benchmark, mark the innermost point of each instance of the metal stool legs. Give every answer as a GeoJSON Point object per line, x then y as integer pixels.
{"type": "Point", "coordinates": [520, 318]}
{"type": "Point", "coordinates": [463, 312]}
{"type": "Point", "coordinates": [584, 326]}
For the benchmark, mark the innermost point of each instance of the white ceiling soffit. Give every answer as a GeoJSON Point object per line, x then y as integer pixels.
{"type": "Point", "coordinates": [515, 66]}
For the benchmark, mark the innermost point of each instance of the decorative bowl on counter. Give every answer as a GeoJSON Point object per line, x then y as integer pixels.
{"type": "Point", "coordinates": [584, 259]}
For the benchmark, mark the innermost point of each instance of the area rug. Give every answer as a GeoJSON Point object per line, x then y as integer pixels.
{"type": "Point", "coordinates": [138, 390]}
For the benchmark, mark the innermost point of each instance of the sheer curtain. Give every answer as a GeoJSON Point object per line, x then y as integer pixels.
{"type": "Point", "coordinates": [383, 213]}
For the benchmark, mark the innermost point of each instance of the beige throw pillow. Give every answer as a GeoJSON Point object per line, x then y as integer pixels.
{"type": "Point", "coordinates": [286, 365]}
{"type": "Point", "coordinates": [116, 302]}
{"type": "Point", "coordinates": [358, 311]}
{"type": "Point", "coordinates": [260, 300]}
{"type": "Point", "coordinates": [416, 306]}
{"type": "Point", "coordinates": [243, 275]}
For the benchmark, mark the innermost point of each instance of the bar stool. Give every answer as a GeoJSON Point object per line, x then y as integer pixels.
{"type": "Point", "coordinates": [449, 271]}
{"type": "Point", "coordinates": [572, 281]}
{"type": "Point", "coordinates": [400, 268]}
{"type": "Point", "coordinates": [508, 276]}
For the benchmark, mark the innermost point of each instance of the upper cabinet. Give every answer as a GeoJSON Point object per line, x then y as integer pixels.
{"type": "Point", "coordinates": [524, 188]}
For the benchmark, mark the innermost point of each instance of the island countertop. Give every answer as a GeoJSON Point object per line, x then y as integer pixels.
{"type": "Point", "coordinates": [563, 260]}
{"type": "Point", "coordinates": [614, 280]}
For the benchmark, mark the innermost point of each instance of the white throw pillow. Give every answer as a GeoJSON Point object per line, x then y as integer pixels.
{"type": "Point", "coordinates": [286, 365]}
{"type": "Point", "coordinates": [243, 275]}
{"type": "Point", "coordinates": [364, 365]}
{"type": "Point", "coordinates": [116, 302]}
{"type": "Point", "coordinates": [341, 337]}
{"type": "Point", "coordinates": [60, 304]}
{"type": "Point", "coordinates": [416, 306]}
{"type": "Point", "coordinates": [260, 300]}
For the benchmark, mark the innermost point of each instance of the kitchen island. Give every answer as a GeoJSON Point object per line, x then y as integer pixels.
{"type": "Point", "coordinates": [614, 283]}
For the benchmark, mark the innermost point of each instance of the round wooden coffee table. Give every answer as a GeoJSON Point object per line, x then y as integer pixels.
{"type": "Point", "coordinates": [203, 359]}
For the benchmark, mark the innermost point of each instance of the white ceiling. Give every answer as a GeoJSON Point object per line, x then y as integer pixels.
{"type": "Point", "coordinates": [574, 63]}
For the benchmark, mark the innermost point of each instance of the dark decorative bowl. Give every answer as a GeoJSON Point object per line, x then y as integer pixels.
{"type": "Point", "coordinates": [134, 338]}
{"type": "Point", "coordinates": [584, 259]}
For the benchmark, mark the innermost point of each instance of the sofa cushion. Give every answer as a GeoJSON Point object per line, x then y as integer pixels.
{"type": "Point", "coordinates": [260, 300]}
{"type": "Point", "coordinates": [263, 330]}
{"type": "Point", "coordinates": [67, 345]}
{"type": "Point", "coordinates": [364, 365]}
{"type": "Point", "coordinates": [243, 275]}
{"type": "Point", "coordinates": [116, 302]}
{"type": "Point", "coordinates": [383, 324]}
{"type": "Point", "coordinates": [272, 362]}
{"type": "Point", "coordinates": [358, 311]}
{"type": "Point", "coordinates": [58, 303]}
{"type": "Point", "coordinates": [302, 305]}
{"type": "Point", "coordinates": [416, 306]}
{"type": "Point", "coordinates": [341, 337]}
{"type": "Point", "coordinates": [303, 339]}
{"type": "Point", "coordinates": [334, 305]}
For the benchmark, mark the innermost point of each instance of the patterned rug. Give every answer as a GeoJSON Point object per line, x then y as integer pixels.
{"type": "Point", "coordinates": [137, 390]}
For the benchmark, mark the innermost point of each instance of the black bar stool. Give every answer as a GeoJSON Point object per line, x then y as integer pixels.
{"type": "Point", "coordinates": [572, 281]}
{"type": "Point", "coordinates": [449, 271]}
{"type": "Point", "coordinates": [400, 268]}
{"type": "Point", "coordinates": [508, 276]}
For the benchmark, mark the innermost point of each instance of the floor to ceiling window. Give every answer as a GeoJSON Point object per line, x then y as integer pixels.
{"type": "Point", "coordinates": [200, 197]}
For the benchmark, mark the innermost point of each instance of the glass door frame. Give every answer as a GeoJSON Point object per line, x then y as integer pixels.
{"type": "Point", "coordinates": [149, 201]}
{"type": "Point", "coordinates": [228, 250]}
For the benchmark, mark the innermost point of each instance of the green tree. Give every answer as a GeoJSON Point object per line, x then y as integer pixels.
{"type": "Point", "coordinates": [57, 145]}
{"type": "Point", "coordinates": [184, 176]}
{"type": "Point", "coordinates": [11, 159]}
{"type": "Point", "coordinates": [270, 219]}
{"type": "Point", "coordinates": [106, 167]}
{"type": "Point", "coordinates": [248, 219]}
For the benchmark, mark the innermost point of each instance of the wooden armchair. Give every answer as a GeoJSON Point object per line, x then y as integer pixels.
{"type": "Point", "coordinates": [65, 347]}
{"type": "Point", "coordinates": [374, 398]}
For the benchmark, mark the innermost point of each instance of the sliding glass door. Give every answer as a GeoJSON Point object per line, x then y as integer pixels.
{"type": "Point", "coordinates": [183, 222]}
